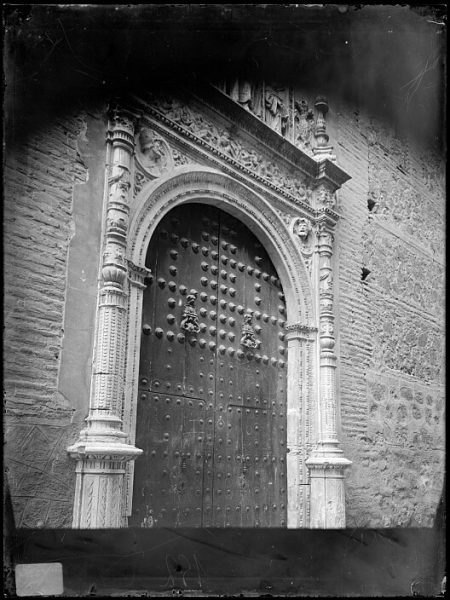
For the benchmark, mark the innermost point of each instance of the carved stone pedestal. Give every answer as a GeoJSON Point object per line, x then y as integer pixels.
{"type": "Point", "coordinates": [327, 510]}
{"type": "Point", "coordinates": [99, 483]}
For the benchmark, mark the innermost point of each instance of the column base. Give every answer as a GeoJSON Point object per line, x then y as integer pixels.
{"type": "Point", "coordinates": [100, 471]}
{"type": "Point", "coordinates": [327, 500]}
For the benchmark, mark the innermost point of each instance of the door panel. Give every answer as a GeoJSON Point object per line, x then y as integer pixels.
{"type": "Point", "coordinates": [212, 403]}
{"type": "Point", "coordinates": [250, 431]}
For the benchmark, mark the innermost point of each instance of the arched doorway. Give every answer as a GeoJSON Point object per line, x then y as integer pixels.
{"type": "Point", "coordinates": [211, 412]}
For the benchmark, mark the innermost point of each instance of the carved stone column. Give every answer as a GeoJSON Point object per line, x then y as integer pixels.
{"type": "Point", "coordinates": [102, 450]}
{"type": "Point", "coordinates": [326, 463]}
{"type": "Point", "coordinates": [300, 341]}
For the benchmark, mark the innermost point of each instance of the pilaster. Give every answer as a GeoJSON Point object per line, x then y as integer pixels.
{"type": "Point", "coordinates": [300, 340]}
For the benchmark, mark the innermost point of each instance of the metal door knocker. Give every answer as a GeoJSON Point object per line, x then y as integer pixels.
{"type": "Point", "coordinates": [248, 338]}
{"type": "Point", "coordinates": [189, 319]}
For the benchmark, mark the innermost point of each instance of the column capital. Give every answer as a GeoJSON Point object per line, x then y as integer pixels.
{"type": "Point", "coordinates": [325, 199]}
{"type": "Point", "coordinates": [300, 331]}
{"type": "Point", "coordinates": [121, 127]}
{"type": "Point", "coordinates": [327, 459]}
{"type": "Point", "coordinates": [138, 276]}
{"type": "Point", "coordinates": [325, 229]}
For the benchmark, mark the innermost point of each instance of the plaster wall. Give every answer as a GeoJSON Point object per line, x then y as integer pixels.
{"type": "Point", "coordinates": [52, 224]}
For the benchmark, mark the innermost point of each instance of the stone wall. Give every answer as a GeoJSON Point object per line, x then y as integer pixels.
{"type": "Point", "coordinates": [43, 209]}
{"type": "Point", "coordinates": [390, 309]}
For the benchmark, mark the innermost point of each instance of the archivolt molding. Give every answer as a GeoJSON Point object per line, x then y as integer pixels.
{"type": "Point", "coordinates": [190, 184]}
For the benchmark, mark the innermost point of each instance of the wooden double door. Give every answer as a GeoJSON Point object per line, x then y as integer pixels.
{"type": "Point", "coordinates": [211, 415]}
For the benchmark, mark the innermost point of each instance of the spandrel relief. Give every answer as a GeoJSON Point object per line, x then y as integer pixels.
{"type": "Point", "coordinates": [153, 153]}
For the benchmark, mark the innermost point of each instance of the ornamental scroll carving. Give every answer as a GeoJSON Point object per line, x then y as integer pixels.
{"type": "Point", "coordinates": [222, 142]}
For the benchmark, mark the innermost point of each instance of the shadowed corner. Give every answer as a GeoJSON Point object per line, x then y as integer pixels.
{"type": "Point", "coordinates": [432, 579]}
{"type": "Point", "coordinates": [9, 531]}
{"type": "Point", "coordinates": [439, 555]}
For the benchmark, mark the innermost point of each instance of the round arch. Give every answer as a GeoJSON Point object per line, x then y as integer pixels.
{"type": "Point", "coordinates": [209, 186]}
{"type": "Point", "coordinates": [187, 184]}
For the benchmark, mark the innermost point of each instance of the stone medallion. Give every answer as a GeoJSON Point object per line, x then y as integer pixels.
{"type": "Point", "coordinates": [153, 153]}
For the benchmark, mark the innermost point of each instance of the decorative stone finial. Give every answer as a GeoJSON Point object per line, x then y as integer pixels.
{"type": "Point", "coordinates": [320, 133]}
{"type": "Point", "coordinates": [322, 149]}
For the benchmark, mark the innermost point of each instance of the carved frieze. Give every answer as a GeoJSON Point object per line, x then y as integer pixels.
{"type": "Point", "coordinates": [179, 158]}
{"type": "Point", "coordinates": [223, 143]}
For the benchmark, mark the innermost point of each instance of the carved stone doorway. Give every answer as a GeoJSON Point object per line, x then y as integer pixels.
{"type": "Point", "coordinates": [211, 413]}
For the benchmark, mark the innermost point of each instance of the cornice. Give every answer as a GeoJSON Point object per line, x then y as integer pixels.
{"type": "Point", "coordinates": [328, 172]}
{"type": "Point", "coordinates": [319, 171]}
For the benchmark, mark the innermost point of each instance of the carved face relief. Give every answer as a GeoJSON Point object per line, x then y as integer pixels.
{"type": "Point", "coordinates": [153, 153]}
{"type": "Point", "coordinates": [301, 228]}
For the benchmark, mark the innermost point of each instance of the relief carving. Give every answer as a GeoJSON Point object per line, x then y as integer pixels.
{"type": "Point", "coordinates": [325, 197]}
{"type": "Point", "coordinates": [276, 102]}
{"type": "Point", "coordinates": [189, 320]}
{"type": "Point", "coordinates": [179, 159]}
{"type": "Point", "coordinates": [303, 125]}
{"type": "Point", "coordinates": [230, 147]}
{"type": "Point", "coordinates": [301, 229]}
{"type": "Point", "coordinates": [139, 181]}
{"type": "Point", "coordinates": [248, 338]}
{"type": "Point", "coordinates": [153, 153]}
{"type": "Point", "coordinates": [326, 283]}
